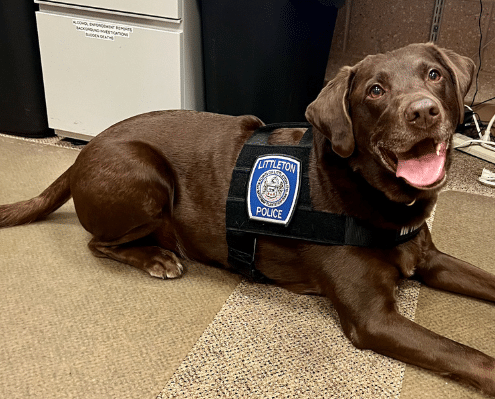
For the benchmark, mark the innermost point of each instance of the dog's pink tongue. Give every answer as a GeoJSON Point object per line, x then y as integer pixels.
{"type": "Point", "coordinates": [423, 170]}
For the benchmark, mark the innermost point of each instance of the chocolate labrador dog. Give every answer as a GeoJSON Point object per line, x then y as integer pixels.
{"type": "Point", "coordinates": [152, 190]}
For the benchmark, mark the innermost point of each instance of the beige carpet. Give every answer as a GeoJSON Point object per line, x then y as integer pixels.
{"type": "Point", "coordinates": [74, 326]}
{"type": "Point", "coordinates": [463, 227]}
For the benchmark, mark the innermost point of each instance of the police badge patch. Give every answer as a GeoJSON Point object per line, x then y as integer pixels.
{"type": "Point", "coordinates": [274, 188]}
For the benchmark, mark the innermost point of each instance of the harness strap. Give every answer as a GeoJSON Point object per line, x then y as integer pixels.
{"type": "Point", "coordinates": [306, 224]}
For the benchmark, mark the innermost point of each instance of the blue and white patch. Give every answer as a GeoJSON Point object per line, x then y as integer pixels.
{"type": "Point", "coordinates": [274, 188]}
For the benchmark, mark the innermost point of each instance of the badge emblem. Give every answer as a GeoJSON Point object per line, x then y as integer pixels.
{"type": "Point", "coordinates": [273, 188]}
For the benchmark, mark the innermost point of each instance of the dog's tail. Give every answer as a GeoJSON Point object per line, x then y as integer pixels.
{"type": "Point", "coordinates": [57, 194]}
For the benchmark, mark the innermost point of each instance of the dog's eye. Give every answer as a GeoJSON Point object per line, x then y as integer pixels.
{"type": "Point", "coordinates": [434, 75]}
{"type": "Point", "coordinates": [376, 91]}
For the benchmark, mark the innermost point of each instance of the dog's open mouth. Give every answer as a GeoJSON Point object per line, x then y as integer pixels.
{"type": "Point", "coordinates": [423, 166]}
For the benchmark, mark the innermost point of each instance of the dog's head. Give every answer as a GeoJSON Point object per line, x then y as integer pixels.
{"type": "Point", "coordinates": [393, 115]}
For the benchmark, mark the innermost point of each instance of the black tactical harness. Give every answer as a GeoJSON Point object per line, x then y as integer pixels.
{"type": "Point", "coordinates": [305, 224]}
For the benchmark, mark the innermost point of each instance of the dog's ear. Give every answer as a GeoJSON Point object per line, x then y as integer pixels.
{"type": "Point", "coordinates": [329, 113]}
{"type": "Point", "coordinates": [462, 70]}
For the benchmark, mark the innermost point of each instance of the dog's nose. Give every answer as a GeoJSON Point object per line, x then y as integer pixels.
{"type": "Point", "coordinates": [422, 113]}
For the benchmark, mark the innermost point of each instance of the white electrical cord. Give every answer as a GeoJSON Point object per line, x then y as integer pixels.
{"type": "Point", "coordinates": [484, 140]}
{"type": "Point", "coordinates": [483, 143]}
{"type": "Point", "coordinates": [486, 137]}
{"type": "Point", "coordinates": [487, 178]}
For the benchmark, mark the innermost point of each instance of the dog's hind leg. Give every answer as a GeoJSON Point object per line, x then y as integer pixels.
{"type": "Point", "coordinates": [134, 249]}
{"type": "Point", "coordinates": [124, 201]}
{"type": "Point", "coordinates": [158, 262]}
